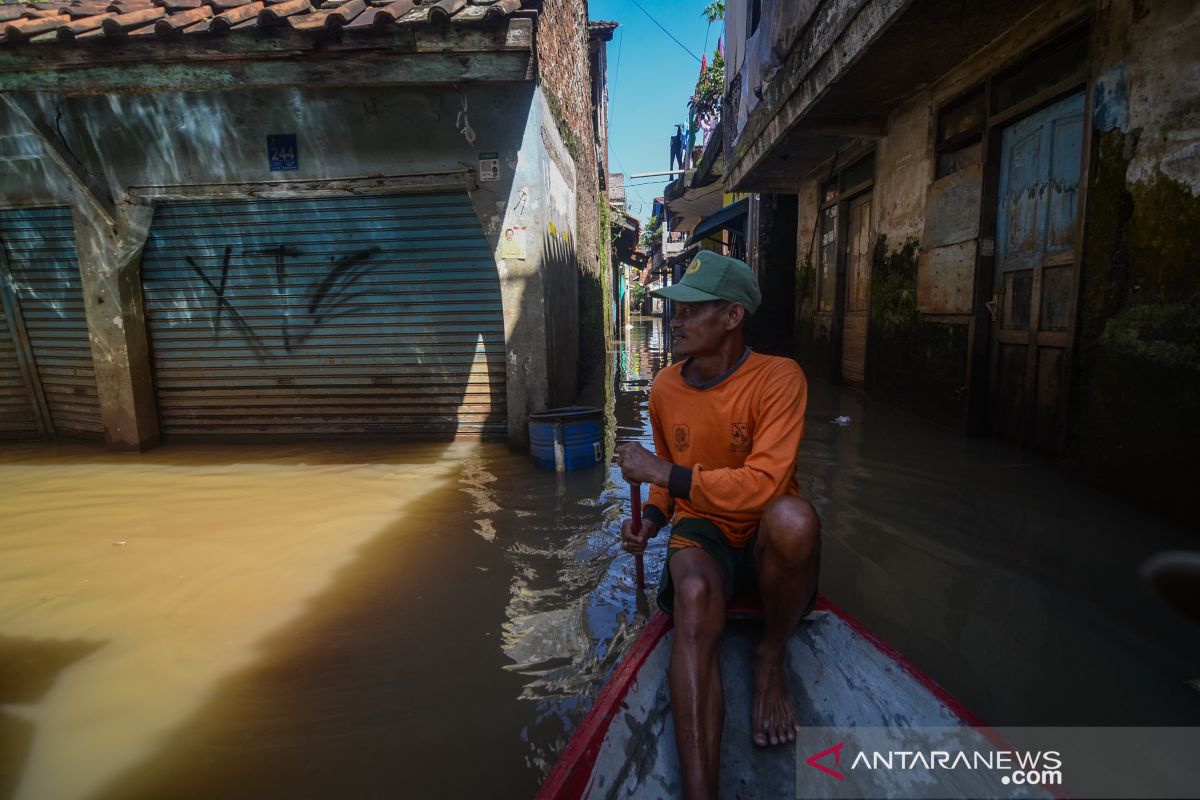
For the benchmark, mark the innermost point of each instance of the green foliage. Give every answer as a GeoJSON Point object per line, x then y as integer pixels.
{"type": "Point", "coordinates": [710, 88]}
{"type": "Point", "coordinates": [714, 11]}
{"type": "Point", "coordinates": [652, 234]}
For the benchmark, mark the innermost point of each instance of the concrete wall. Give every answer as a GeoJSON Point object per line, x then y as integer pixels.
{"type": "Point", "coordinates": [1136, 397]}
{"type": "Point", "coordinates": [210, 140]}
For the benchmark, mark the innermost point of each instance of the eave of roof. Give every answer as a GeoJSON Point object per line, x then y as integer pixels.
{"type": "Point", "coordinates": [64, 22]}
{"type": "Point", "coordinates": [85, 46]}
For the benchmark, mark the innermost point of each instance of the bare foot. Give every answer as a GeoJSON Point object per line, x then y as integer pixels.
{"type": "Point", "coordinates": [774, 719]}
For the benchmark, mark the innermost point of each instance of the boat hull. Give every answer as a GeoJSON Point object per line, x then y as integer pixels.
{"type": "Point", "coordinates": [841, 676]}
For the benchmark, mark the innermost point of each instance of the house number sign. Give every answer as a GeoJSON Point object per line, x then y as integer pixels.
{"type": "Point", "coordinates": [282, 153]}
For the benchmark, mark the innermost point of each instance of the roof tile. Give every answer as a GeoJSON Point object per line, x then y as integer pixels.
{"type": "Point", "coordinates": [62, 21]}
{"type": "Point", "coordinates": [276, 14]}
{"type": "Point", "coordinates": [22, 29]}
{"type": "Point", "coordinates": [174, 24]}
{"type": "Point", "coordinates": [120, 24]}
{"type": "Point", "coordinates": [345, 13]}
{"type": "Point", "coordinates": [234, 16]}
{"type": "Point", "coordinates": [72, 29]}
{"type": "Point", "coordinates": [441, 11]}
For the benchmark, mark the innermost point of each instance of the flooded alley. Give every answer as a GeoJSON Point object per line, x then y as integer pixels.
{"type": "Point", "coordinates": [433, 621]}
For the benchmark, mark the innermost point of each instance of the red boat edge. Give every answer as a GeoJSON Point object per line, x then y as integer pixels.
{"type": "Point", "coordinates": [572, 773]}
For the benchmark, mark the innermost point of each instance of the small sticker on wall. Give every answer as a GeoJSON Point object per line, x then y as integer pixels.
{"type": "Point", "coordinates": [489, 166]}
{"type": "Point", "coordinates": [282, 153]}
{"type": "Point", "coordinates": [987, 247]}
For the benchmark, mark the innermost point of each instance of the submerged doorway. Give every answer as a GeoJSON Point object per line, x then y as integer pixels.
{"type": "Point", "coordinates": [1035, 274]}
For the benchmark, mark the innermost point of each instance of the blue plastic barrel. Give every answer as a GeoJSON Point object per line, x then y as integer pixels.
{"type": "Point", "coordinates": [567, 438]}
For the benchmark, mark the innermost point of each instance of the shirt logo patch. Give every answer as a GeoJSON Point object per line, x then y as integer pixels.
{"type": "Point", "coordinates": [683, 438]}
{"type": "Point", "coordinates": [741, 438]}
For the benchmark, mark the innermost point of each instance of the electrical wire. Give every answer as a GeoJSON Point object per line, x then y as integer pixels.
{"type": "Point", "coordinates": [667, 32]}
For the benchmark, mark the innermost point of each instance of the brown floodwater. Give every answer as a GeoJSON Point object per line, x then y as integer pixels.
{"type": "Point", "coordinates": [388, 620]}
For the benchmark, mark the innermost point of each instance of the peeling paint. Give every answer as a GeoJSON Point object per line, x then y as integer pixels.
{"type": "Point", "coordinates": [1110, 100]}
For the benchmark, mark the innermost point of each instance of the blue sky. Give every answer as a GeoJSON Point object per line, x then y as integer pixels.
{"type": "Point", "coordinates": [650, 79]}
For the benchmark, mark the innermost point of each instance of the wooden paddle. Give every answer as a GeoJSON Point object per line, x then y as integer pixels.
{"type": "Point", "coordinates": [635, 494]}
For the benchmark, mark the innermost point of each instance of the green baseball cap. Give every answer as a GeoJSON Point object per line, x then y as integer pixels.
{"type": "Point", "coordinates": [712, 276]}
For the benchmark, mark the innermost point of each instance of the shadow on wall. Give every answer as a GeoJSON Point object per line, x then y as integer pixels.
{"type": "Point", "coordinates": [560, 267]}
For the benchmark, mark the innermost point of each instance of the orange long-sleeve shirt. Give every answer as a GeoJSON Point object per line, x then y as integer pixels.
{"type": "Point", "coordinates": [739, 438]}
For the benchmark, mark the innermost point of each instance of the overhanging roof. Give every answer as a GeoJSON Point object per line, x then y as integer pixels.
{"type": "Point", "coordinates": [92, 47]}
{"type": "Point", "coordinates": [732, 216]}
{"type": "Point", "coordinates": [697, 203]}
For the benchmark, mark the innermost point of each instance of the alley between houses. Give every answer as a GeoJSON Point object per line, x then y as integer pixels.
{"type": "Point", "coordinates": [433, 620]}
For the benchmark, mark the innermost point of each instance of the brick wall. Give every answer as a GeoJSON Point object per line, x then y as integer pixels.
{"type": "Point", "coordinates": [565, 75]}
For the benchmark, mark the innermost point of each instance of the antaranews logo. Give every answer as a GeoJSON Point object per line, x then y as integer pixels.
{"type": "Point", "coordinates": [1015, 767]}
{"type": "Point", "coordinates": [836, 752]}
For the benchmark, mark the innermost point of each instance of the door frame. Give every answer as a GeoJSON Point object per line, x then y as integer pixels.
{"type": "Point", "coordinates": [855, 195]}
{"type": "Point", "coordinates": [980, 345]}
{"type": "Point", "coordinates": [846, 194]}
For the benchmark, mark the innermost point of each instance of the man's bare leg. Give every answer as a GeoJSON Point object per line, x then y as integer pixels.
{"type": "Point", "coordinates": [788, 555]}
{"type": "Point", "coordinates": [697, 695]}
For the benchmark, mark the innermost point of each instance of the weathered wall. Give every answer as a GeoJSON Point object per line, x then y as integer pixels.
{"type": "Point", "coordinates": [1136, 397]}
{"type": "Point", "coordinates": [141, 143]}
{"type": "Point", "coordinates": [812, 340]}
{"type": "Point", "coordinates": [564, 68]}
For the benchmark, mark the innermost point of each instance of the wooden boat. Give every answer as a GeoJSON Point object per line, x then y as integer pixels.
{"type": "Point", "coordinates": [842, 676]}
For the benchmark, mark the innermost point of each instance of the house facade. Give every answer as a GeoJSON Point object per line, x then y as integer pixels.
{"type": "Point", "coordinates": [997, 212]}
{"type": "Point", "coordinates": [249, 220]}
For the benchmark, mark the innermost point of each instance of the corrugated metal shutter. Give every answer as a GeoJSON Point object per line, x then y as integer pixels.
{"type": "Point", "coordinates": [16, 408]}
{"type": "Point", "coordinates": [40, 244]}
{"type": "Point", "coordinates": [361, 315]}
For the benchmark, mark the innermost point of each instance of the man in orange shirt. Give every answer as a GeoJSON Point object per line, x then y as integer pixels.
{"type": "Point", "coordinates": [727, 425]}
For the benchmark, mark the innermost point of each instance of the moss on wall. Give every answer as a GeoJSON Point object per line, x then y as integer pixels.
{"type": "Point", "coordinates": [564, 127]}
{"type": "Point", "coordinates": [912, 363]}
{"type": "Point", "coordinates": [1135, 422]}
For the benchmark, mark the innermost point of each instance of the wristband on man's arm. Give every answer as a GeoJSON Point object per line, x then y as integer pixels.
{"type": "Point", "coordinates": [679, 484]}
{"type": "Point", "coordinates": [655, 515]}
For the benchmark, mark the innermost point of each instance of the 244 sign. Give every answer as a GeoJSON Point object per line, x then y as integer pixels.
{"type": "Point", "coordinates": [282, 153]}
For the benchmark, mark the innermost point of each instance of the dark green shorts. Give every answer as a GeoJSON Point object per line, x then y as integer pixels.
{"type": "Point", "coordinates": [736, 563]}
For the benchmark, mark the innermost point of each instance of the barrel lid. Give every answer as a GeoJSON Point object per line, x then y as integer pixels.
{"type": "Point", "coordinates": [565, 413]}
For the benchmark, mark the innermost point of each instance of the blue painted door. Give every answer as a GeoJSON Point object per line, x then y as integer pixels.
{"type": "Point", "coordinates": [1036, 229]}
{"type": "Point", "coordinates": [49, 323]}
{"type": "Point", "coordinates": [343, 316]}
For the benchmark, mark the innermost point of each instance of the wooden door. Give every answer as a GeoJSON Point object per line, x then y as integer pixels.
{"type": "Point", "coordinates": [1033, 309]}
{"type": "Point", "coordinates": [858, 284]}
